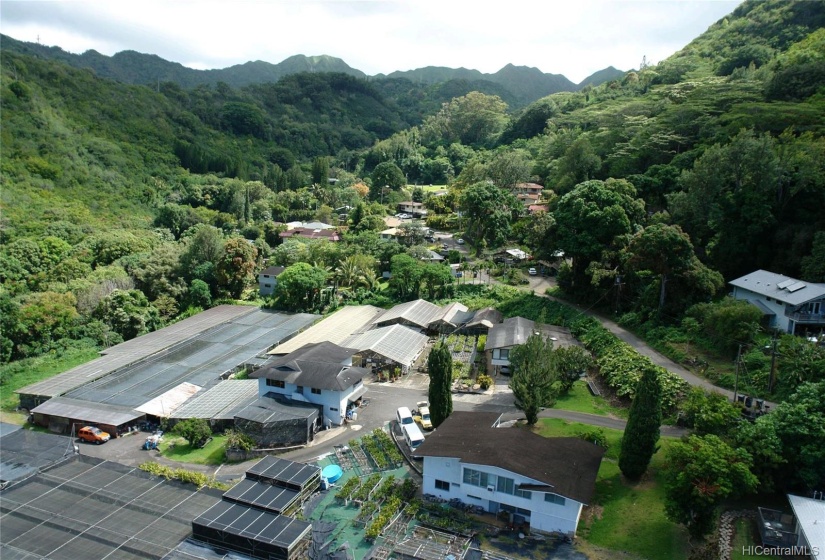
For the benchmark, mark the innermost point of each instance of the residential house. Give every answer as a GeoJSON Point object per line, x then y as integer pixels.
{"type": "Point", "coordinates": [787, 304]}
{"type": "Point", "coordinates": [414, 209]}
{"type": "Point", "coordinates": [536, 208]}
{"type": "Point", "coordinates": [389, 234]}
{"type": "Point", "coordinates": [541, 482]}
{"type": "Point", "coordinates": [268, 279]}
{"type": "Point", "coordinates": [307, 233]}
{"type": "Point", "coordinates": [503, 337]}
{"type": "Point", "coordinates": [320, 373]}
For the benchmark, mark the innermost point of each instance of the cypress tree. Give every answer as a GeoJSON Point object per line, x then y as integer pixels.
{"type": "Point", "coordinates": [440, 365]}
{"type": "Point", "coordinates": [642, 431]}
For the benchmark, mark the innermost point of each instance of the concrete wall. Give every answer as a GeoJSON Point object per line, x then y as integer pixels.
{"type": "Point", "coordinates": [544, 516]}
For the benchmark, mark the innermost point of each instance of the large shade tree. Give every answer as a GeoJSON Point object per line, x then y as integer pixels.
{"type": "Point", "coordinates": [489, 212]}
{"type": "Point", "coordinates": [299, 287]}
{"type": "Point", "coordinates": [596, 216]}
{"type": "Point", "coordinates": [701, 472]}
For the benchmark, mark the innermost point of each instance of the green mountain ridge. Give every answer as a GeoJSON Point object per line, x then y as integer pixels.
{"type": "Point", "coordinates": [521, 85]}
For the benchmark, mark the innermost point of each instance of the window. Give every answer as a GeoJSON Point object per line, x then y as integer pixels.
{"type": "Point", "coordinates": [814, 307]}
{"type": "Point", "coordinates": [267, 285]}
{"type": "Point", "coordinates": [504, 353]}
{"type": "Point", "coordinates": [315, 391]}
{"type": "Point", "coordinates": [275, 383]}
{"type": "Point", "coordinates": [333, 409]}
{"type": "Point", "coordinates": [477, 478]}
{"type": "Point", "coordinates": [526, 494]}
{"type": "Point", "coordinates": [554, 499]}
{"type": "Point", "coordinates": [442, 485]}
{"type": "Point", "coordinates": [299, 390]}
{"type": "Point", "coordinates": [505, 485]}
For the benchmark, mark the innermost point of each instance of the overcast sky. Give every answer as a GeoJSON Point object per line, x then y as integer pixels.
{"type": "Point", "coordinates": [570, 37]}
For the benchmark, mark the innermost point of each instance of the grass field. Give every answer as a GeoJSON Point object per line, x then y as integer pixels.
{"type": "Point", "coordinates": [32, 370]}
{"type": "Point", "coordinates": [579, 399]}
{"type": "Point", "coordinates": [626, 518]}
{"type": "Point", "coordinates": [177, 449]}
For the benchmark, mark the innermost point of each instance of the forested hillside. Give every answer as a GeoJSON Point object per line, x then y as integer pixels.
{"type": "Point", "coordinates": [124, 206]}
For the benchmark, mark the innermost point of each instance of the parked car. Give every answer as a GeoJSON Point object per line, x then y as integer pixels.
{"type": "Point", "coordinates": [445, 246]}
{"type": "Point", "coordinates": [93, 435]}
{"type": "Point", "coordinates": [460, 241]}
{"type": "Point", "coordinates": [422, 415]}
{"type": "Point", "coordinates": [532, 272]}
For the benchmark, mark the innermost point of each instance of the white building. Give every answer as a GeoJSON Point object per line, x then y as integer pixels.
{"type": "Point", "coordinates": [544, 482]}
{"type": "Point", "coordinates": [268, 279]}
{"type": "Point", "coordinates": [788, 304]}
{"type": "Point", "coordinates": [810, 524]}
{"type": "Point", "coordinates": [320, 374]}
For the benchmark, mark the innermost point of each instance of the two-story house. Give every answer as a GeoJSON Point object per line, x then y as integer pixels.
{"type": "Point", "coordinates": [787, 304]}
{"type": "Point", "coordinates": [543, 482]}
{"type": "Point", "coordinates": [414, 209]}
{"type": "Point", "coordinates": [321, 373]}
{"type": "Point", "coordinates": [268, 279]}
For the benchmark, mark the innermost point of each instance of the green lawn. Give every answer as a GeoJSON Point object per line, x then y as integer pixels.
{"type": "Point", "coordinates": [430, 188]}
{"type": "Point", "coordinates": [625, 517]}
{"type": "Point", "coordinates": [579, 399]}
{"type": "Point", "coordinates": [32, 370]}
{"type": "Point", "coordinates": [177, 449]}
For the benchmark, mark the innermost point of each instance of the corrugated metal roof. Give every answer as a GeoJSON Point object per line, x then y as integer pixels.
{"type": "Point", "coordinates": [398, 343]}
{"type": "Point", "coordinates": [767, 283]}
{"type": "Point", "coordinates": [810, 514]}
{"type": "Point", "coordinates": [335, 328]}
{"type": "Point", "coordinates": [419, 312]}
{"type": "Point", "coordinates": [511, 332]}
{"type": "Point", "coordinates": [93, 413]}
{"type": "Point", "coordinates": [164, 405]}
{"type": "Point", "coordinates": [220, 401]}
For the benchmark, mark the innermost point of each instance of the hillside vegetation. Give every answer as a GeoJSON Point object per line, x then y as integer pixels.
{"type": "Point", "coordinates": [173, 194]}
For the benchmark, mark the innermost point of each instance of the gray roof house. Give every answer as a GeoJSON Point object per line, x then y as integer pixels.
{"type": "Point", "coordinates": [788, 304]}
{"type": "Point", "coordinates": [320, 373]}
{"type": "Point", "coordinates": [514, 331]}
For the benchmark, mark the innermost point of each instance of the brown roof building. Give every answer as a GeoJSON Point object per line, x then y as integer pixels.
{"type": "Point", "coordinates": [543, 481]}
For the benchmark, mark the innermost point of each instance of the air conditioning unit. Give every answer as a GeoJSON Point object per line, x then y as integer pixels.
{"type": "Point", "coordinates": [491, 488]}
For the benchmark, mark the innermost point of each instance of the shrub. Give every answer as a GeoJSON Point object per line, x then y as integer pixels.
{"type": "Point", "coordinates": [194, 430]}
{"type": "Point", "coordinates": [238, 440]}
{"type": "Point", "coordinates": [484, 381]}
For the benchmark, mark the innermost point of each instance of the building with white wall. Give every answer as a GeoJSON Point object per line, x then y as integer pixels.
{"type": "Point", "coordinates": [788, 304]}
{"type": "Point", "coordinates": [320, 373]}
{"type": "Point", "coordinates": [544, 482]}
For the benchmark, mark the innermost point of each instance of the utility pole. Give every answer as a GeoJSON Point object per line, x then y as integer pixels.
{"type": "Point", "coordinates": [772, 378]}
{"type": "Point", "coordinates": [736, 379]}
{"type": "Point", "coordinates": [618, 291]}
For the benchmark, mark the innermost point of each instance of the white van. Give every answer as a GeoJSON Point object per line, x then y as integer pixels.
{"type": "Point", "coordinates": [404, 416]}
{"type": "Point", "coordinates": [413, 436]}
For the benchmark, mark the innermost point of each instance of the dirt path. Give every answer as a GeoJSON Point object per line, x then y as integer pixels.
{"type": "Point", "coordinates": [539, 287]}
